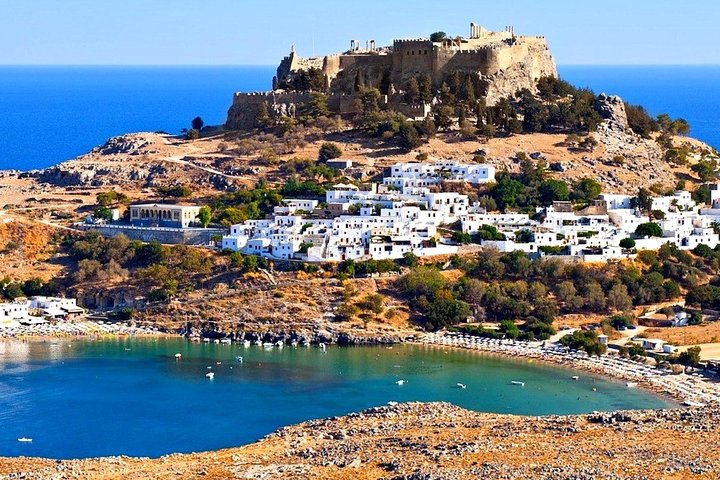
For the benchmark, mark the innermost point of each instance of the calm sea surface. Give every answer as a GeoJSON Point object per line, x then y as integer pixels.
{"type": "Point", "coordinates": [85, 398]}
{"type": "Point", "coordinates": [51, 114]}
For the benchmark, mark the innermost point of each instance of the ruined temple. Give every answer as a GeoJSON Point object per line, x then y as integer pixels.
{"type": "Point", "coordinates": [500, 63]}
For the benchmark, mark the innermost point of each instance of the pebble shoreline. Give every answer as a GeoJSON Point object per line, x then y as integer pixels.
{"type": "Point", "coordinates": [679, 387]}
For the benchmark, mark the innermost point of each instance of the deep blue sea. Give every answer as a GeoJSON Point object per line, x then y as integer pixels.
{"type": "Point", "coordinates": [51, 114]}
{"type": "Point", "coordinates": [55, 113]}
{"type": "Point", "coordinates": [88, 398]}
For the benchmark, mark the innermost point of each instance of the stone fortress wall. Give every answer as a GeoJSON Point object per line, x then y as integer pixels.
{"type": "Point", "coordinates": [501, 61]}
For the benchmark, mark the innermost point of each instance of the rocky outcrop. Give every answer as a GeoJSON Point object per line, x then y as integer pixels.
{"type": "Point", "coordinates": [424, 441]}
{"type": "Point", "coordinates": [612, 109]}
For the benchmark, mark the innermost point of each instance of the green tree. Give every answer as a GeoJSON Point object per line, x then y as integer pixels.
{"type": "Point", "coordinates": [553, 190]}
{"type": "Point", "coordinates": [461, 237]}
{"type": "Point", "coordinates": [706, 169]}
{"type": "Point", "coordinates": [438, 36]}
{"type": "Point", "coordinates": [447, 311]}
{"type": "Point", "coordinates": [627, 243]}
{"type": "Point", "coordinates": [425, 87]}
{"type": "Point", "coordinates": [204, 216]}
{"type": "Point", "coordinates": [318, 105]}
{"type": "Point", "coordinates": [173, 191]}
{"type": "Point", "coordinates": [444, 117]}
{"type": "Point", "coordinates": [408, 137]}
{"type": "Point", "coordinates": [103, 213]}
{"type": "Point", "coordinates": [586, 189]}
{"type": "Point", "coordinates": [649, 229]}
{"type": "Point", "coordinates": [412, 94]}
{"type": "Point", "coordinates": [509, 328]}
{"type": "Point", "coordinates": [506, 192]}
{"type": "Point", "coordinates": [690, 357]}
{"type": "Point", "coordinates": [262, 118]}
{"type": "Point", "coordinates": [197, 123]}
{"type": "Point", "coordinates": [618, 298]}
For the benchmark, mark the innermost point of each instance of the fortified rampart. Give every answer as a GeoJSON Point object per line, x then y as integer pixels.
{"type": "Point", "coordinates": [500, 62]}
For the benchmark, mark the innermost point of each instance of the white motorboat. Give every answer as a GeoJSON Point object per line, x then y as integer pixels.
{"type": "Point", "coordinates": [461, 385]}
{"type": "Point", "coordinates": [575, 377]}
{"type": "Point", "coordinates": [226, 341]}
{"type": "Point", "coordinates": [400, 382]}
{"type": "Point", "coordinates": [631, 384]}
{"type": "Point", "coordinates": [515, 382]}
{"type": "Point", "coordinates": [24, 440]}
{"type": "Point", "coordinates": [210, 375]}
{"type": "Point", "coordinates": [247, 343]}
{"type": "Point", "coordinates": [178, 356]}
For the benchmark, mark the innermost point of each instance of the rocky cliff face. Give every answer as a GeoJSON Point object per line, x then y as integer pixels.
{"type": "Point", "coordinates": [522, 74]}
{"type": "Point", "coordinates": [612, 109]}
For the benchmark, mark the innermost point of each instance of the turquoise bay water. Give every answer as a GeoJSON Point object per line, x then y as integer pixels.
{"type": "Point", "coordinates": [130, 396]}
{"type": "Point", "coordinates": [52, 114]}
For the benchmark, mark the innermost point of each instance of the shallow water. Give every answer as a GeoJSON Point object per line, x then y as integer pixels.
{"type": "Point", "coordinates": [131, 396]}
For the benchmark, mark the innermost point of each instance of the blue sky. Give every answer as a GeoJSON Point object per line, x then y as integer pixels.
{"type": "Point", "coordinates": [252, 32]}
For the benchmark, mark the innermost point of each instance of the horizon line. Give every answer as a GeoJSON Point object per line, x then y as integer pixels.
{"type": "Point", "coordinates": [226, 65]}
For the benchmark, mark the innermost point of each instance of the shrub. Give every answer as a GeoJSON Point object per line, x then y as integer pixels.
{"type": "Point", "coordinates": [329, 151]}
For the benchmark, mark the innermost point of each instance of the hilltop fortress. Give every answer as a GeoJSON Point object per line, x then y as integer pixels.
{"type": "Point", "coordinates": [500, 63]}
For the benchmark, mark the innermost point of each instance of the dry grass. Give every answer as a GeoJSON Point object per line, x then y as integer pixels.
{"type": "Point", "coordinates": [690, 335]}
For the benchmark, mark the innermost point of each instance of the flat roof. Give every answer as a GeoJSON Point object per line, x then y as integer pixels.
{"type": "Point", "coordinates": [163, 205]}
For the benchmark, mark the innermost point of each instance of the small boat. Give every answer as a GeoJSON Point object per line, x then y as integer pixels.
{"type": "Point", "coordinates": [247, 343]}
{"type": "Point", "coordinates": [461, 385]}
{"type": "Point", "coordinates": [690, 403]}
{"type": "Point", "coordinates": [206, 340]}
{"type": "Point", "coordinates": [515, 382]}
{"type": "Point", "coordinates": [178, 356]}
{"type": "Point", "coordinates": [258, 343]}
{"type": "Point", "coordinates": [631, 384]}
{"type": "Point", "coordinates": [268, 345]}
{"type": "Point", "coordinates": [294, 343]}
{"type": "Point", "coordinates": [322, 346]}
{"type": "Point", "coordinates": [209, 367]}
{"type": "Point", "coordinates": [280, 343]}
{"type": "Point", "coordinates": [216, 340]}
{"type": "Point", "coordinates": [210, 375]}
{"type": "Point", "coordinates": [392, 403]}
{"type": "Point", "coordinates": [225, 341]}
{"type": "Point", "coordinates": [575, 377]}
{"type": "Point", "coordinates": [25, 440]}
{"type": "Point", "coordinates": [239, 359]}
{"type": "Point", "coordinates": [400, 382]}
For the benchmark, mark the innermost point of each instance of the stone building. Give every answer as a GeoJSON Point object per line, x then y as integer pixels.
{"type": "Point", "coordinates": [500, 63]}
{"type": "Point", "coordinates": [164, 215]}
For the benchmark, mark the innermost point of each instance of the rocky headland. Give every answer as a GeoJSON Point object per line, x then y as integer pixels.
{"type": "Point", "coordinates": [423, 441]}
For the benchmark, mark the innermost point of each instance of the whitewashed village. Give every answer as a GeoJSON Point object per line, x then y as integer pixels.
{"type": "Point", "coordinates": [406, 214]}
